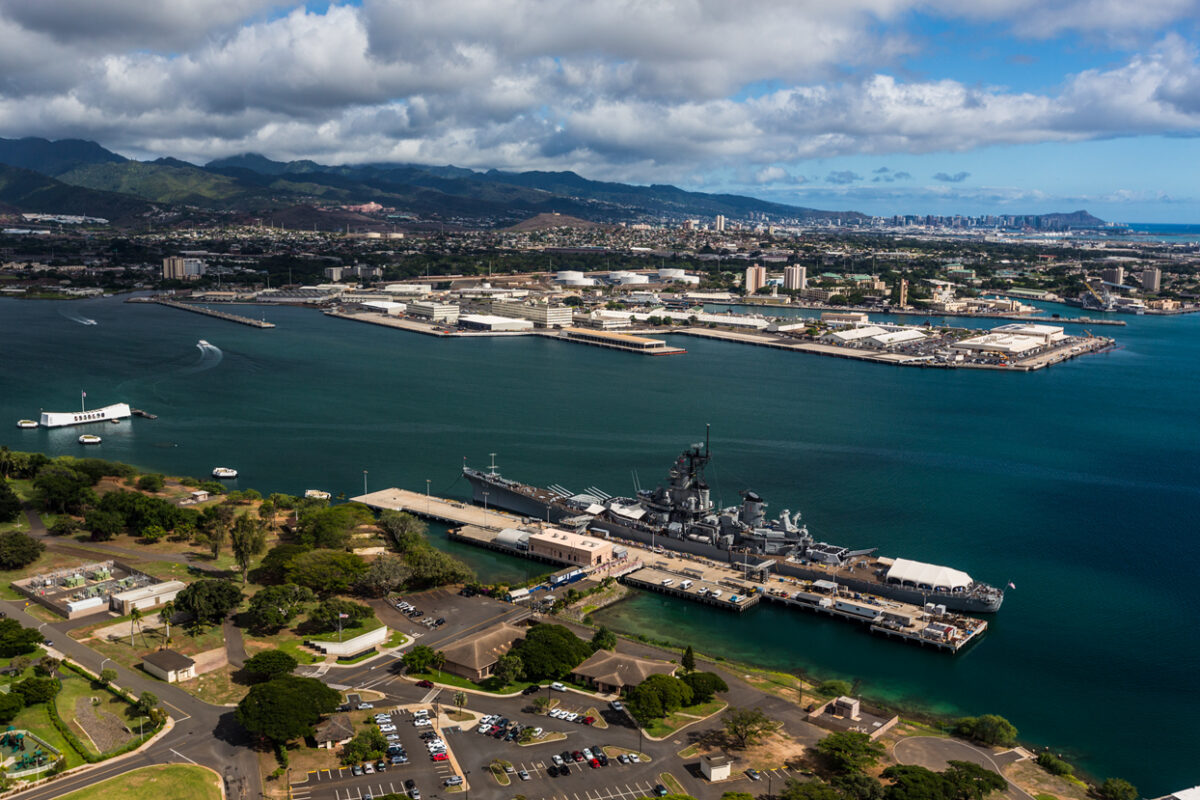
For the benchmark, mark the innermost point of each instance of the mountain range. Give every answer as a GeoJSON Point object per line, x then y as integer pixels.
{"type": "Point", "coordinates": [73, 176]}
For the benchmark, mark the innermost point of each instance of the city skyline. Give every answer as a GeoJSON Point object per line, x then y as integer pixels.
{"type": "Point", "coordinates": [881, 106]}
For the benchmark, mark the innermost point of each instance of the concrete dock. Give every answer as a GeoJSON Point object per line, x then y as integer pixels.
{"type": "Point", "coordinates": [440, 509]}
{"type": "Point", "coordinates": [253, 323]}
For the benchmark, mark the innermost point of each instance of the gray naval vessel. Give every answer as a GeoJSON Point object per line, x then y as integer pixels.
{"type": "Point", "coordinates": [681, 516]}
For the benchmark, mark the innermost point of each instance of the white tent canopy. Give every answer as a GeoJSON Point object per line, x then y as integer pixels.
{"type": "Point", "coordinates": [929, 576]}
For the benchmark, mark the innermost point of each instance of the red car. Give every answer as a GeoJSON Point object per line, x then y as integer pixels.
{"type": "Point", "coordinates": [588, 720]}
{"type": "Point", "coordinates": [594, 763]}
{"type": "Point", "coordinates": [440, 757]}
{"type": "Point", "coordinates": [578, 756]}
{"type": "Point", "coordinates": [425, 684]}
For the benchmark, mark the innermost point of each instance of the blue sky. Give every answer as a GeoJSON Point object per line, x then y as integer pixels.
{"type": "Point", "coordinates": [883, 106]}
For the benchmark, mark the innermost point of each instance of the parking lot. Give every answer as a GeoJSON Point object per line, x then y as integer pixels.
{"type": "Point", "coordinates": [463, 615]}
{"type": "Point", "coordinates": [427, 775]}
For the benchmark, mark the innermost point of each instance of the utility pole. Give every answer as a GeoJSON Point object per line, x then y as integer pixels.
{"type": "Point", "coordinates": [364, 481]}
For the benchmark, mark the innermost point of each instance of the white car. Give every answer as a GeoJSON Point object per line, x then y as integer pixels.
{"type": "Point", "coordinates": [537, 732]}
{"type": "Point", "coordinates": [558, 687]}
{"type": "Point", "coordinates": [387, 728]}
{"type": "Point", "coordinates": [483, 729]}
{"type": "Point", "coordinates": [571, 716]}
{"type": "Point", "coordinates": [557, 759]}
{"type": "Point", "coordinates": [554, 712]}
{"type": "Point", "coordinates": [422, 722]}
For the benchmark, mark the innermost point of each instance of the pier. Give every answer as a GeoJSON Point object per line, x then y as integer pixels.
{"type": "Point", "coordinates": [931, 314]}
{"type": "Point", "coordinates": [440, 509]}
{"type": "Point", "coordinates": [253, 323]}
{"type": "Point", "coordinates": [701, 580]}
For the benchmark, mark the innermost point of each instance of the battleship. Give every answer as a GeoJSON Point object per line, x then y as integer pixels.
{"type": "Point", "coordinates": [681, 516]}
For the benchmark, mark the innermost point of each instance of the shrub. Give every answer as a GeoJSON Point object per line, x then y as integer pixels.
{"type": "Point", "coordinates": [1053, 764]}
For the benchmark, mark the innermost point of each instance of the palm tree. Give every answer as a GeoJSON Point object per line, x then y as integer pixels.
{"type": "Point", "coordinates": [460, 700]}
{"type": "Point", "coordinates": [165, 613]}
{"type": "Point", "coordinates": [135, 617]}
{"type": "Point", "coordinates": [6, 461]}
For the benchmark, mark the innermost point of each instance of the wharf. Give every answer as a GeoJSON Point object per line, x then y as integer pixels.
{"type": "Point", "coordinates": [930, 313]}
{"type": "Point", "coordinates": [692, 584]}
{"type": "Point", "coordinates": [253, 323]}
{"type": "Point", "coordinates": [440, 509]}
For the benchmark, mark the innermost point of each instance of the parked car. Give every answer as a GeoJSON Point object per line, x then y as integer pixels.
{"type": "Point", "coordinates": [660, 790]}
{"type": "Point", "coordinates": [635, 758]}
{"type": "Point", "coordinates": [381, 766]}
{"type": "Point", "coordinates": [398, 760]}
{"type": "Point", "coordinates": [531, 689]}
{"type": "Point", "coordinates": [754, 774]}
{"type": "Point", "coordinates": [523, 775]}
{"type": "Point", "coordinates": [356, 770]}
{"type": "Point", "coordinates": [453, 780]}
{"type": "Point", "coordinates": [558, 687]}
{"type": "Point", "coordinates": [594, 763]}
{"type": "Point", "coordinates": [440, 757]}
{"type": "Point", "coordinates": [369, 768]}
{"type": "Point", "coordinates": [551, 771]}
{"type": "Point", "coordinates": [624, 759]}
{"type": "Point", "coordinates": [361, 706]}
{"type": "Point", "coordinates": [557, 759]}
{"type": "Point", "coordinates": [615, 705]}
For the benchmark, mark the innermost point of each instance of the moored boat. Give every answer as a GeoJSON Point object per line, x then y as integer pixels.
{"type": "Point", "coordinates": [316, 494]}
{"type": "Point", "coordinates": [27, 423]}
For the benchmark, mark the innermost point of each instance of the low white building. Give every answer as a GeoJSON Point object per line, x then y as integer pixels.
{"type": "Point", "coordinates": [895, 338]}
{"type": "Point", "coordinates": [169, 666]}
{"type": "Point", "coordinates": [848, 335]}
{"type": "Point", "coordinates": [543, 315]}
{"type": "Point", "coordinates": [1048, 334]}
{"type": "Point", "coordinates": [998, 344]}
{"type": "Point", "coordinates": [409, 289]}
{"type": "Point", "coordinates": [392, 309]}
{"type": "Point", "coordinates": [716, 767]}
{"type": "Point", "coordinates": [491, 322]}
{"type": "Point", "coordinates": [434, 311]}
{"type": "Point", "coordinates": [146, 597]}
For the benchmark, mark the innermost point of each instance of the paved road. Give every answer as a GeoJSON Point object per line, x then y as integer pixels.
{"type": "Point", "coordinates": [935, 752]}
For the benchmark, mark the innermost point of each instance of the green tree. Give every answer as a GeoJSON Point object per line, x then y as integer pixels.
{"type": "Point", "coordinates": [367, 745]}
{"type": "Point", "coordinates": [604, 639]}
{"type": "Point", "coordinates": [967, 780]}
{"type": "Point", "coordinates": [1117, 789]}
{"type": "Point", "coordinates": [10, 504]}
{"type": "Point", "coordinates": [61, 489]}
{"type": "Point", "coordinates": [385, 574]}
{"type": "Point", "coordinates": [10, 705]}
{"type": "Point", "coordinates": [64, 526]}
{"type": "Point", "coordinates": [858, 786]}
{"type": "Point", "coordinates": [150, 483]}
{"type": "Point", "coordinates": [431, 567]}
{"type": "Point", "coordinates": [153, 533]}
{"type": "Point", "coordinates": [208, 601]}
{"type": "Point", "coordinates": [405, 530]}
{"type": "Point", "coordinates": [460, 700]}
{"type": "Point", "coordinates": [850, 751]}
{"type": "Point", "coordinates": [275, 564]}
{"type": "Point", "coordinates": [18, 550]}
{"type": "Point", "coordinates": [1053, 764]}
{"type": "Point", "coordinates": [329, 528]}
{"type": "Point", "coordinates": [508, 668]}
{"type": "Point", "coordinates": [104, 525]}
{"type": "Point", "coordinates": [16, 640]}
{"type": "Point", "coordinates": [166, 613]}
{"type": "Point", "coordinates": [270, 664]}
{"type": "Point", "coordinates": [746, 726]}
{"type": "Point", "coordinates": [326, 572]}
{"type": "Point", "coordinates": [266, 512]}
{"type": "Point", "coordinates": [705, 685]}
{"type": "Point", "coordinates": [248, 540]}
{"type": "Point", "coordinates": [107, 676]}
{"type": "Point", "coordinates": [37, 690]}
{"type": "Point", "coordinates": [275, 606]}
{"type": "Point", "coordinates": [550, 651]}
{"type": "Point", "coordinates": [285, 708]}
{"type": "Point", "coordinates": [737, 796]}
{"type": "Point", "coordinates": [688, 662]}
{"type": "Point", "coordinates": [329, 613]}
{"type": "Point", "coordinates": [656, 697]}
{"type": "Point", "coordinates": [419, 658]}
{"type": "Point", "coordinates": [135, 622]}
{"type": "Point", "coordinates": [910, 782]}
{"type": "Point", "coordinates": [835, 688]}
{"type": "Point", "coordinates": [147, 702]}
{"type": "Point", "coordinates": [815, 789]}
{"type": "Point", "coordinates": [989, 729]}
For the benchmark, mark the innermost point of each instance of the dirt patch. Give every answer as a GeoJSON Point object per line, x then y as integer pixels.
{"type": "Point", "coordinates": [1035, 780]}
{"type": "Point", "coordinates": [210, 660]}
{"type": "Point", "coordinates": [774, 751]}
{"type": "Point", "coordinates": [106, 731]}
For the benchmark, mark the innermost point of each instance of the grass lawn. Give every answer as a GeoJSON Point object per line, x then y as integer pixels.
{"type": "Point", "coordinates": [684, 716]}
{"type": "Point", "coordinates": [599, 718]}
{"type": "Point", "coordinates": [286, 640]}
{"type": "Point", "coordinates": [437, 676]}
{"type": "Point", "coordinates": [36, 719]}
{"type": "Point", "coordinates": [397, 639]}
{"type": "Point", "coordinates": [358, 659]}
{"type": "Point", "coordinates": [75, 687]}
{"type": "Point", "coordinates": [152, 783]}
{"type": "Point", "coordinates": [123, 653]}
{"type": "Point", "coordinates": [673, 785]}
{"type": "Point", "coordinates": [363, 626]}
{"type": "Point", "coordinates": [217, 687]}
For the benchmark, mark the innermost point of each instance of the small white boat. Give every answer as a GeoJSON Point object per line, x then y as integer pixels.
{"type": "Point", "coordinates": [224, 472]}
{"type": "Point", "coordinates": [316, 494]}
{"type": "Point", "coordinates": [27, 423]}
{"type": "Point", "coordinates": [89, 438]}
{"type": "Point", "coordinates": [203, 343]}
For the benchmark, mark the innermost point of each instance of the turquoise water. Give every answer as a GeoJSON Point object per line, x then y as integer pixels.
{"type": "Point", "coordinates": [1079, 483]}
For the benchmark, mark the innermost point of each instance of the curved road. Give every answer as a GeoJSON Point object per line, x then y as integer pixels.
{"type": "Point", "coordinates": [935, 753]}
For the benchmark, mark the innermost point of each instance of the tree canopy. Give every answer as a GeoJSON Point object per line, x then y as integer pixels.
{"type": "Point", "coordinates": [329, 528]}
{"type": "Point", "coordinates": [208, 601]}
{"type": "Point", "coordinates": [275, 606]}
{"type": "Point", "coordinates": [61, 489]}
{"type": "Point", "coordinates": [326, 572]}
{"type": "Point", "coordinates": [328, 613]}
{"type": "Point", "coordinates": [385, 574]}
{"type": "Point", "coordinates": [10, 504]}
{"type": "Point", "coordinates": [270, 664]}
{"type": "Point", "coordinates": [656, 697]}
{"type": "Point", "coordinates": [604, 639]}
{"type": "Point", "coordinates": [989, 729]}
{"type": "Point", "coordinates": [19, 550]}
{"type": "Point", "coordinates": [809, 790]}
{"type": "Point", "coordinates": [1117, 789]}
{"type": "Point", "coordinates": [274, 565]}
{"type": "Point", "coordinates": [420, 658]}
{"type": "Point", "coordinates": [286, 707]}
{"type": "Point", "coordinates": [16, 640]}
{"type": "Point", "coordinates": [550, 651]}
{"type": "Point", "coordinates": [746, 726]}
{"type": "Point", "coordinates": [705, 685]}
{"type": "Point", "coordinates": [850, 751]}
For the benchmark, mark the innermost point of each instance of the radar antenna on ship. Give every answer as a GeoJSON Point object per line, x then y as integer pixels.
{"type": "Point", "coordinates": [493, 464]}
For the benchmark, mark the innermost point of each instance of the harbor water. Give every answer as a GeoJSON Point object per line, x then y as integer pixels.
{"type": "Point", "coordinates": [1078, 483]}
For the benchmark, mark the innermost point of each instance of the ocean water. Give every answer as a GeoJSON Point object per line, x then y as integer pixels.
{"type": "Point", "coordinates": [1079, 484]}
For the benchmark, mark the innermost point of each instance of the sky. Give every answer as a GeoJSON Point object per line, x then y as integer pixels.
{"type": "Point", "coordinates": [881, 106]}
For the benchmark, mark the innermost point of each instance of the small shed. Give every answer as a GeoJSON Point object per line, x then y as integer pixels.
{"type": "Point", "coordinates": [169, 666]}
{"type": "Point", "coordinates": [716, 768]}
{"type": "Point", "coordinates": [334, 732]}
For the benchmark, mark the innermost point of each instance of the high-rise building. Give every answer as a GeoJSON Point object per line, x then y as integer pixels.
{"type": "Point", "coordinates": [795, 278]}
{"type": "Point", "coordinates": [903, 298]}
{"type": "Point", "coordinates": [756, 278]}
{"type": "Point", "coordinates": [1113, 275]}
{"type": "Point", "coordinates": [720, 226]}
{"type": "Point", "coordinates": [1151, 279]}
{"type": "Point", "coordinates": [178, 268]}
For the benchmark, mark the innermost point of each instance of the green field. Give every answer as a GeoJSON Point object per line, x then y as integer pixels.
{"type": "Point", "coordinates": [153, 783]}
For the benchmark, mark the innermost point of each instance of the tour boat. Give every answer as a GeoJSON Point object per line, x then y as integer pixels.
{"type": "Point", "coordinates": [27, 423]}
{"type": "Point", "coordinates": [224, 472]}
{"type": "Point", "coordinates": [89, 438]}
{"type": "Point", "coordinates": [316, 494]}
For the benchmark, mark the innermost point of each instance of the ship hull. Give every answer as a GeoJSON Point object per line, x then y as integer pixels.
{"type": "Point", "coordinates": [503, 497]}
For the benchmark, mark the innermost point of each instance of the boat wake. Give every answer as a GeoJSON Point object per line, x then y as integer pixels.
{"type": "Point", "coordinates": [210, 356]}
{"type": "Point", "coordinates": [75, 317]}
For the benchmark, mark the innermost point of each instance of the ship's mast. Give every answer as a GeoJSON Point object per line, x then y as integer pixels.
{"type": "Point", "coordinates": [493, 466]}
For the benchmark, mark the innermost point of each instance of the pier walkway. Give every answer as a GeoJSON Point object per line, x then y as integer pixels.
{"type": "Point", "coordinates": [225, 315]}
{"type": "Point", "coordinates": [437, 508]}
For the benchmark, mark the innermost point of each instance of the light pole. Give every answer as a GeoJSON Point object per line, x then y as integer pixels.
{"type": "Point", "coordinates": [485, 494]}
{"type": "Point", "coordinates": [467, 777]}
{"type": "Point", "coordinates": [427, 495]}
{"type": "Point", "coordinates": [364, 481]}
